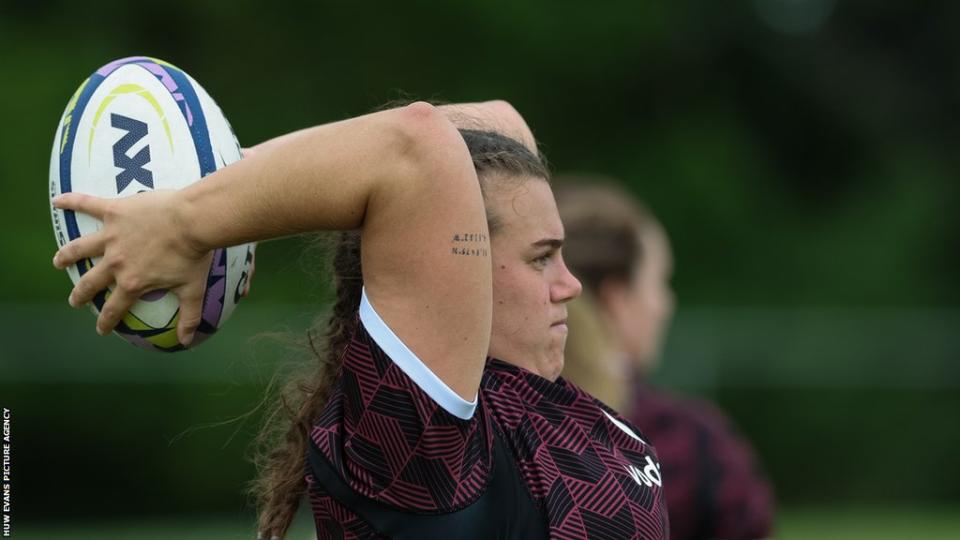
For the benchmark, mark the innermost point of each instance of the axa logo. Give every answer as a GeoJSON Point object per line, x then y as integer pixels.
{"type": "Point", "coordinates": [131, 168]}
{"type": "Point", "coordinates": [648, 476]}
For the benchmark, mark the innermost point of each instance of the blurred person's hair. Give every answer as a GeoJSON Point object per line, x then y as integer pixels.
{"type": "Point", "coordinates": [604, 227]}
{"type": "Point", "coordinates": [590, 361]}
{"type": "Point", "coordinates": [620, 252]}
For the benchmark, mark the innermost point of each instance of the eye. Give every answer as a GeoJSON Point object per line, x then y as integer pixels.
{"type": "Point", "coordinates": [542, 260]}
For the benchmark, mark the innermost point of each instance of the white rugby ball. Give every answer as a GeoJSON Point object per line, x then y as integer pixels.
{"type": "Point", "coordinates": [139, 124]}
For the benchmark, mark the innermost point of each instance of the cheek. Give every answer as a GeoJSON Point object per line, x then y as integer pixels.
{"type": "Point", "coordinates": [642, 316]}
{"type": "Point", "coordinates": [508, 293]}
{"type": "Point", "coordinates": [520, 298]}
{"type": "Point", "coordinates": [653, 296]}
{"type": "Point", "coordinates": [643, 320]}
{"type": "Point", "coordinates": [501, 285]}
{"type": "Point", "coordinates": [662, 303]}
{"type": "Point", "coordinates": [651, 307]}
{"type": "Point", "coordinates": [513, 285]}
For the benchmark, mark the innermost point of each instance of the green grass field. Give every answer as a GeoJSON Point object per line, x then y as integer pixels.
{"type": "Point", "coordinates": [941, 523]}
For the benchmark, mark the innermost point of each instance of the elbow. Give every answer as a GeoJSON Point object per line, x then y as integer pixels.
{"type": "Point", "coordinates": [429, 144]}
{"type": "Point", "coordinates": [423, 126]}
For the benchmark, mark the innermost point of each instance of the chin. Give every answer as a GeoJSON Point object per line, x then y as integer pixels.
{"type": "Point", "coordinates": [552, 369]}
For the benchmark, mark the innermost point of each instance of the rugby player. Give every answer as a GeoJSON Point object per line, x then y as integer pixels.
{"type": "Point", "coordinates": [435, 410]}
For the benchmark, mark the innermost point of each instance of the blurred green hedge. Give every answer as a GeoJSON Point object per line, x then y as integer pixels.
{"type": "Point", "coordinates": [118, 431]}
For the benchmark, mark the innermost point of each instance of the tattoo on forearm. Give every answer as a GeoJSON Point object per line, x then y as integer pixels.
{"type": "Point", "coordinates": [470, 244]}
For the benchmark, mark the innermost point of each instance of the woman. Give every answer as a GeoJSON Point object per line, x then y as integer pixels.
{"type": "Point", "coordinates": [622, 255]}
{"type": "Point", "coordinates": [413, 431]}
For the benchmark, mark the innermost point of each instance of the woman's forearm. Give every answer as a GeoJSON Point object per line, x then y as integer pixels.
{"type": "Point", "coordinates": [404, 177]}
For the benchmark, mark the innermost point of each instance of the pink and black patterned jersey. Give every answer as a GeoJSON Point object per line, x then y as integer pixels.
{"type": "Point", "coordinates": [396, 454]}
{"type": "Point", "coordinates": [717, 489]}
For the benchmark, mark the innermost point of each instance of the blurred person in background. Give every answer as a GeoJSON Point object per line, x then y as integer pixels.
{"type": "Point", "coordinates": [621, 254]}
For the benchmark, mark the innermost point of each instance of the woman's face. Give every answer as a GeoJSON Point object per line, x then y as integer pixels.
{"type": "Point", "coordinates": [531, 283]}
{"type": "Point", "coordinates": [640, 310]}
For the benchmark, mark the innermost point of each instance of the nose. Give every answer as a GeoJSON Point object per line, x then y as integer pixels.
{"type": "Point", "coordinates": [567, 286]}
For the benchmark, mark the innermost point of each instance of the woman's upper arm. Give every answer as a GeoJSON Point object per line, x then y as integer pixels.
{"type": "Point", "coordinates": [426, 253]}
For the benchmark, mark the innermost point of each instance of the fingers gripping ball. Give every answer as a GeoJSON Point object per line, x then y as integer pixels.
{"type": "Point", "coordinates": [140, 124]}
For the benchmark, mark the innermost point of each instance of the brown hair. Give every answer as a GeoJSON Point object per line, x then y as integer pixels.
{"type": "Point", "coordinates": [604, 225]}
{"type": "Point", "coordinates": [284, 437]}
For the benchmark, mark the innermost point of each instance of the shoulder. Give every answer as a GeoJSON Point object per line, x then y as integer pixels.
{"type": "Point", "coordinates": [690, 429]}
{"type": "Point", "coordinates": [556, 406]}
{"type": "Point", "coordinates": [690, 426]}
{"type": "Point", "coordinates": [388, 351]}
{"type": "Point", "coordinates": [655, 406]}
{"type": "Point", "coordinates": [711, 420]}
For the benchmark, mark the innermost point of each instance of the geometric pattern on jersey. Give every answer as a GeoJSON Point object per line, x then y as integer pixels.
{"type": "Point", "coordinates": [334, 521]}
{"type": "Point", "coordinates": [498, 513]}
{"type": "Point", "coordinates": [574, 460]}
{"type": "Point", "coordinates": [393, 444]}
{"type": "Point", "coordinates": [390, 442]}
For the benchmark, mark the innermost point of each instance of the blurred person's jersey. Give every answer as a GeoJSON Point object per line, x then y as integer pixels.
{"type": "Point", "coordinates": [713, 483]}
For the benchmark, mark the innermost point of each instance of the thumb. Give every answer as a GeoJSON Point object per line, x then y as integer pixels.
{"type": "Point", "coordinates": [191, 309]}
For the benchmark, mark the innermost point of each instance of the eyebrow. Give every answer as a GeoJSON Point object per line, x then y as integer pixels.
{"type": "Point", "coordinates": [555, 243]}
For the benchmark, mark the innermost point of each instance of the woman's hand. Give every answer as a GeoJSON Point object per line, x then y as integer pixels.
{"type": "Point", "coordinates": [145, 245]}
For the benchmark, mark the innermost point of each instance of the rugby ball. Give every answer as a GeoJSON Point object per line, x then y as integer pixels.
{"type": "Point", "coordinates": [140, 124]}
